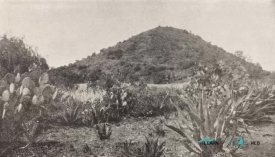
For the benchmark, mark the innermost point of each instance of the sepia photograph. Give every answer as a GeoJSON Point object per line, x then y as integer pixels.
{"type": "Point", "coordinates": [137, 78]}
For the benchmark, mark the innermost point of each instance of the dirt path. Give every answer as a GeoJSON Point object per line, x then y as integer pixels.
{"type": "Point", "coordinates": [265, 134]}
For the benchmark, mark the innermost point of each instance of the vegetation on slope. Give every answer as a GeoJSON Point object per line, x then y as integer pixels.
{"type": "Point", "coordinates": [160, 55]}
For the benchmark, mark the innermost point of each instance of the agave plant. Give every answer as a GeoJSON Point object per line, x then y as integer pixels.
{"type": "Point", "coordinates": [253, 109]}
{"type": "Point", "coordinates": [72, 117]}
{"type": "Point", "coordinates": [158, 128]}
{"type": "Point", "coordinates": [32, 130]}
{"type": "Point", "coordinates": [94, 114]}
{"type": "Point", "coordinates": [153, 148]}
{"type": "Point", "coordinates": [104, 130]}
{"type": "Point", "coordinates": [209, 118]}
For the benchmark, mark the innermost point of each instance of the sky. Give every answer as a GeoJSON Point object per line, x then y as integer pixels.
{"type": "Point", "coordinates": [66, 31]}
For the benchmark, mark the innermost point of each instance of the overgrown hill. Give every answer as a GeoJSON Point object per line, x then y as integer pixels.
{"type": "Point", "coordinates": [159, 55]}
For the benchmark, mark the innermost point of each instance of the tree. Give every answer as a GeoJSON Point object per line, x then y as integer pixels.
{"type": "Point", "coordinates": [17, 57]}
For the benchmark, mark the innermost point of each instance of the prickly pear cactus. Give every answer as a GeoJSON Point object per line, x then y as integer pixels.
{"type": "Point", "coordinates": [22, 98]}
{"type": "Point", "coordinates": [21, 95]}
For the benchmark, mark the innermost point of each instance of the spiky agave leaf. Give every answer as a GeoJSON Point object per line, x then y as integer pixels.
{"type": "Point", "coordinates": [160, 149]}
{"type": "Point", "coordinates": [201, 107]}
{"type": "Point", "coordinates": [196, 130]}
{"type": "Point", "coordinates": [193, 115]}
{"type": "Point", "coordinates": [184, 133]}
{"type": "Point", "coordinates": [216, 111]}
{"type": "Point", "coordinates": [76, 114]}
{"type": "Point", "coordinates": [182, 116]}
{"type": "Point", "coordinates": [222, 119]}
{"type": "Point", "coordinates": [208, 126]}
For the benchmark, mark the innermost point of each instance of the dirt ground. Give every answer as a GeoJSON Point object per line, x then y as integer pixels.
{"type": "Point", "coordinates": [265, 134]}
{"type": "Point", "coordinates": [71, 142]}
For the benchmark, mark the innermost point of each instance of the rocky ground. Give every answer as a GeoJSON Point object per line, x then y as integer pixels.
{"type": "Point", "coordinates": [63, 141]}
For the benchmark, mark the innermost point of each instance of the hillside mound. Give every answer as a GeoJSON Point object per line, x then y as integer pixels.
{"type": "Point", "coordinates": [159, 55]}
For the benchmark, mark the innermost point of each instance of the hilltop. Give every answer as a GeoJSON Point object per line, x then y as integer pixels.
{"type": "Point", "coordinates": [159, 55]}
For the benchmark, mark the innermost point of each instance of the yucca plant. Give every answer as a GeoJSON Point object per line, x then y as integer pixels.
{"type": "Point", "coordinates": [104, 131]}
{"type": "Point", "coordinates": [209, 118]}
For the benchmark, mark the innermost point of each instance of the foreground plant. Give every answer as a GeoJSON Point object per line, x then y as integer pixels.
{"type": "Point", "coordinates": [104, 131]}
{"type": "Point", "coordinates": [209, 118]}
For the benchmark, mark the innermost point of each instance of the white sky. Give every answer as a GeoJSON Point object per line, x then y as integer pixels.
{"type": "Point", "coordinates": [67, 31]}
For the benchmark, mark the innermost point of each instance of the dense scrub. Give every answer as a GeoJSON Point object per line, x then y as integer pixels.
{"type": "Point", "coordinates": [160, 55]}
